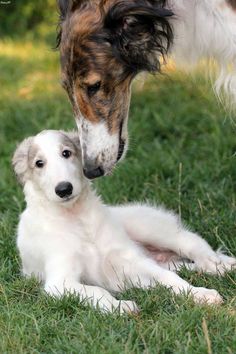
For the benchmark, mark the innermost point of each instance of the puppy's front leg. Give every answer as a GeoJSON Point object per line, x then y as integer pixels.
{"type": "Point", "coordinates": [61, 280]}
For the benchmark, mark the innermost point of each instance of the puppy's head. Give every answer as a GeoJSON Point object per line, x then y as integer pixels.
{"type": "Point", "coordinates": [51, 163]}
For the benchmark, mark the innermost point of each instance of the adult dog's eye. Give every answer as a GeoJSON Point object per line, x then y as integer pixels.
{"type": "Point", "coordinates": [92, 89]}
{"type": "Point", "coordinates": [66, 154]}
{"type": "Point", "coordinates": [39, 163]}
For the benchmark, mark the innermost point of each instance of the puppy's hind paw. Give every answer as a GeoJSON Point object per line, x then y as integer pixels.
{"type": "Point", "coordinates": [227, 263]}
{"type": "Point", "coordinates": [216, 263]}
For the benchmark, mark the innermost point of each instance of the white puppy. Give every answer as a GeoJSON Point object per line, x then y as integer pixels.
{"type": "Point", "coordinates": [75, 244]}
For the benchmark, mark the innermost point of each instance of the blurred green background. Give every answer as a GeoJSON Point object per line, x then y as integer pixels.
{"type": "Point", "coordinates": [18, 17]}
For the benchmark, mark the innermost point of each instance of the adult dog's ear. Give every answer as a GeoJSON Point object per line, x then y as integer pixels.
{"type": "Point", "coordinates": [63, 6]}
{"type": "Point", "coordinates": [66, 6]}
{"type": "Point", "coordinates": [20, 160]}
{"type": "Point", "coordinates": [140, 32]}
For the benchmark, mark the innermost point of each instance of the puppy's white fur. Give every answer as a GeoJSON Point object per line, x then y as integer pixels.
{"type": "Point", "coordinates": [79, 245]}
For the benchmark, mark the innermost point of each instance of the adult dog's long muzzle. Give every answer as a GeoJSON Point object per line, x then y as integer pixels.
{"type": "Point", "coordinates": [101, 149]}
{"type": "Point", "coordinates": [121, 149]}
{"type": "Point", "coordinates": [91, 171]}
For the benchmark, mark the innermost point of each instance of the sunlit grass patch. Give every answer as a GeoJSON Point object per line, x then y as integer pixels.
{"type": "Point", "coordinates": [27, 69]}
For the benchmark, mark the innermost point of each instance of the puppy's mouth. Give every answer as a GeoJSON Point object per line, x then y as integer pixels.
{"type": "Point", "coordinates": [68, 199]}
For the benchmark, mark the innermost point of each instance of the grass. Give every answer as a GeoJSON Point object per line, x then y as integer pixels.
{"type": "Point", "coordinates": [181, 155]}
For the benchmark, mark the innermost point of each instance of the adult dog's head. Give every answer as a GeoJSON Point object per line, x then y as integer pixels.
{"type": "Point", "coordinates": [103, 45]}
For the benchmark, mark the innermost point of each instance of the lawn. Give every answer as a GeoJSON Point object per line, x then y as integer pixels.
{"type": "Point", "coordinates": [182, 155]}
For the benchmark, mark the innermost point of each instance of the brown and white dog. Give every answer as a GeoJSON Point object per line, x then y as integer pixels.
{"type": "Point", "coordinates": [104, 44]}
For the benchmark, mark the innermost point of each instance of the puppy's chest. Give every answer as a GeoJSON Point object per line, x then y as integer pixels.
{"type": "Point", "coordinates": [79, 239]}
{"type": "Point", "coordinates": [79, 235]}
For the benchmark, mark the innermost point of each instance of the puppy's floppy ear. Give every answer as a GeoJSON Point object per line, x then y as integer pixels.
{"type": "Point", "coordinates": [74, 138]}
{"type": "Point", "coordinates": [20, 160]}
{"type": "Point", "coordinates": [140, 32]}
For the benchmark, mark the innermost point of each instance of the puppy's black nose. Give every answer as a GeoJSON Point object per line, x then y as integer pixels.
{"type": "Point", "coordinates": [64, 189]}
{"type": "Point", "coordinates": [92, 173]}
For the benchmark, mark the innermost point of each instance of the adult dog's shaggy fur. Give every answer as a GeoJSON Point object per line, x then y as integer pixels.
{"type": "Point", "coordinates": [104, 44]}
{"type": "Point", "coordinates": [74, 243]}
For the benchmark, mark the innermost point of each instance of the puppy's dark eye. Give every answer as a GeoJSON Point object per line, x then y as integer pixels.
{"type": "Point", "coordinates": [66, 154]}
{"type": "Point", "coordinates": [39, 163]}
{"type": "Point", "coordinates": [92, 89]}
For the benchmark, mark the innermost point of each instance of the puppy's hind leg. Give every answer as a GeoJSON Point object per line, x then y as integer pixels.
{"type": "Point", "coordinates": [205, 258]}
{"type": "Point", "coordinates": [161, 229]}
{"type": "Point", "coordinates": [140, 271]}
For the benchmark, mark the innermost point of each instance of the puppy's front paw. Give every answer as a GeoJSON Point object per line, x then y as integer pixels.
{"type": "Point", "coordinates": [206, 296]}
{"type": "Point", "coordinates": [106, 305]}
{"type": "Point", "coordinates": [128, 307]}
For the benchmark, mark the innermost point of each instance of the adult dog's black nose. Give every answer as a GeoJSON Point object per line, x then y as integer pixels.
{"type": "Point", "coordinates": [91, 172]}
{"type": "Point", "coordinates": [64, 189]}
